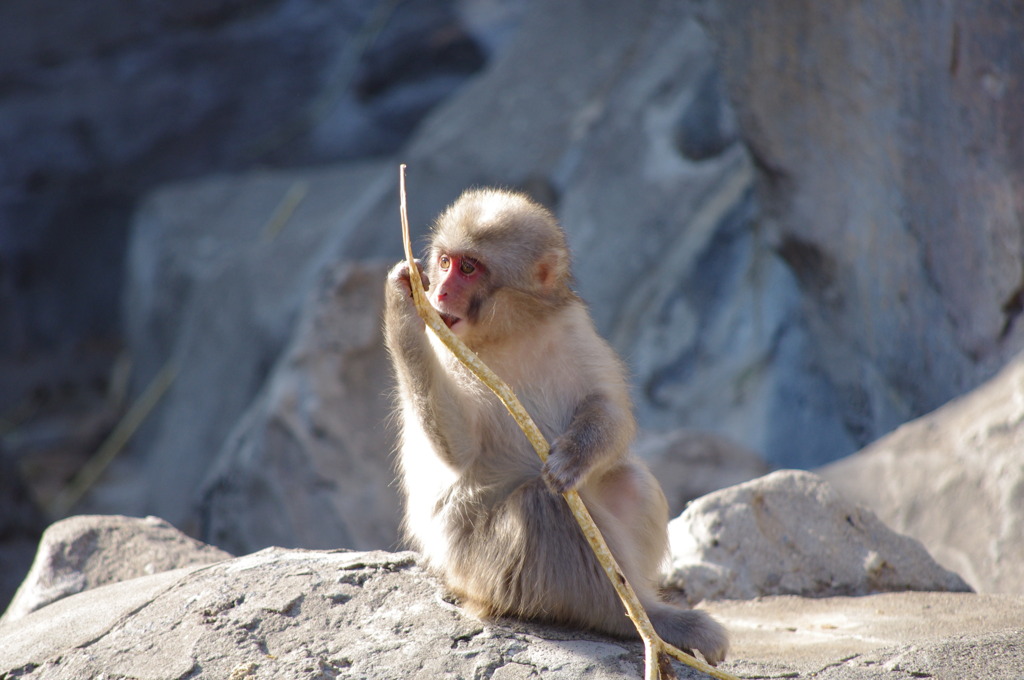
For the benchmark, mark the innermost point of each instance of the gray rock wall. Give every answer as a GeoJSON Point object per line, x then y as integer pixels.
{"type": "Point", "coordinates": [768, 275]}
{"type": "Point", "coordinates": [889, 142]}
{"type": "Point", "coordinates": [218, 273]}
{"type": "Point", "coordinates": [100, 104]}
{"type": "Point", "coordinates": [800, 225]}
{"type": "Point", "coordinates": [310, 463]}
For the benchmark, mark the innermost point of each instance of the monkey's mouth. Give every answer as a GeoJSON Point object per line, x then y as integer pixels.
{"type": "Point", "coordinates": [449, 320]}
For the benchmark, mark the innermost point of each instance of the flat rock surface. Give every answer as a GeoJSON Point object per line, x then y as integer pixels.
{"type": "Point", "coordinates": [305, 614]}
{"type": "Point", "coordinates": [865, 634]}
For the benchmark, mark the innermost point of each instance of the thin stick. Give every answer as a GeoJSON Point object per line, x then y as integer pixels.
{"type": "Point", "coordinates": [285, 209]}
{"type": "Point", "coordinates": [654, 646]}
{"type": "Point", "coordinates": [115, 442]}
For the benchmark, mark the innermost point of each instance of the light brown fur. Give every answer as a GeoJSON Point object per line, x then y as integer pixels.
{"type": "Point", "coordinates": [480, 506]}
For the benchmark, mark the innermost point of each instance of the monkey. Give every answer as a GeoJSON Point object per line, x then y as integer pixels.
{"type": "Point", "coordinates": [481, 508]}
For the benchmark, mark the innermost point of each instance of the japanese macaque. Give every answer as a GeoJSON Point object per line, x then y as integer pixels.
{"type": "Point", "coordinates": [480, 506]}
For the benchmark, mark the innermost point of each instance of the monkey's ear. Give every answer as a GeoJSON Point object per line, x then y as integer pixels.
{"type": "Point", "coordinates": [551, 269]}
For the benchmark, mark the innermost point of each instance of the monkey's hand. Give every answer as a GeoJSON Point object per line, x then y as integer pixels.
{"type": "Point", "coordinates": [565, 467]}
{"type": "Point", "coordinates": [398, 278]}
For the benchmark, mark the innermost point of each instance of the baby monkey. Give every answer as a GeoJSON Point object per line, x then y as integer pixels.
{"type": "Point", "coordinates": [480, 506]}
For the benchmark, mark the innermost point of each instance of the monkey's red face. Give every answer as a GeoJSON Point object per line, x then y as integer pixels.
{"type": "Point", "coordinates": [458, 294]}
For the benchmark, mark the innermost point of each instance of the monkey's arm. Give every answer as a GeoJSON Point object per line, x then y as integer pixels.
{"type": "Point", "coordinates": [423, 384]}
{"type": "Point", "coordinates": [404, 334]}
{"type": "Point", "coordinates": [598, 434]}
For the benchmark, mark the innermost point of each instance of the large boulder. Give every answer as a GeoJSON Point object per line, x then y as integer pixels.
{"type": "Point", "coordinates": [635, 149]}
{"type": "Point", "coordinates": [748, 305]}
{"type": "Point", "coordinates": [302, 614]}
{"type": "Point", "coordinates": [791, 533]}
{"type": "Point", "coordinates": [293, 614]}
{"type": "Point", "coordinates": [954, 480]}
{"type": "Point", "coordinates": [310, 464]}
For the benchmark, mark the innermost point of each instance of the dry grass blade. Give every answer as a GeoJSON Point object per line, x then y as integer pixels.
{"type": "Point", "coordinates": [654, 646]}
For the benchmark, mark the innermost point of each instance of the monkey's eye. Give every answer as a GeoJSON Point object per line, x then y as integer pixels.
{"type": "Point", "coordinates": [444, 262]}
{"type": "Point", "coordinates": [467, 266]}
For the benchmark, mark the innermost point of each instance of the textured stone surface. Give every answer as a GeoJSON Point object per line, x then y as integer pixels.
{"type": "Point", "coordinates": [85, 552]}
{"type": "Point", "coordinates": [287, 614]}
{"type": "Point", "coordinates": [310, 464]}
{"type": "Point", "coordinates": [791, 533]}
{"type": "Point", "coordinates": [293, 614]}
{"type": "Point", "coordinates": [895, 636]}
{"type": "Point", "coordinates": [183, 279]}
{"type": "Point", "coordinates": [665, 244]}
{"type": "Point", "coordinates": [954, 480]}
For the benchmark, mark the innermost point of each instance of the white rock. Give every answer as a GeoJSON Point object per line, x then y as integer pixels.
{"type": "Point", "coordinates": [790, 532]}
{"type": "Point", "coordinates": [954, 480]}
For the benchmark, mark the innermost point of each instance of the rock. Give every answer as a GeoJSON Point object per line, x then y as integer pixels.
{"type": "Point", "coordinates": [294, 614]}
{"type": "Point", "coordinates": [85, 552]}
{"type": "Point", "coordinates": [691, 463]}
{"type": "Point", "coordinates": [954, 480]}
{"type": "Point", "coordinates": [736, 310]}
{"type": "Point", "coordinates": [21, 524]}
{"type": "Point", "coordinates": [889, 158]}
{"type": "Point", "coordinates": [619, 109]}
{"type": "Point", "coordinates": [197, 297]}
{"type": "Point", "coordinates": [707, 319]}
{"type": "Point", "coordinates": [287, 614]}
{"type": "Point", "coordinates": [310, 464]}
{"type": "Point", "coordinates": [707, 127]}
{"type": "Point", "coordinates": [217, 273]}
{"type": "Point", "coordinates": [791, 533]}
{"type": "Point", "coordinates": [128, 96]}
{"type": "Point", "coordinates": [885, 636]}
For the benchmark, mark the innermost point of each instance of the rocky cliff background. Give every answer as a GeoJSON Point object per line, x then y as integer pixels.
{"type": "Point", "coordinates": [801, 224]}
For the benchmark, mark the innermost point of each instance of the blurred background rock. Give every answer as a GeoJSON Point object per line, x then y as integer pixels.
{"type": "Point", "coordinates": [801, 224]}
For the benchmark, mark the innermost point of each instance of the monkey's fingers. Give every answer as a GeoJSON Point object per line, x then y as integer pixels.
{"type": "Point", "coordinates": [401, 276]}
{"type": "Point", "coordinates": [560, 473]}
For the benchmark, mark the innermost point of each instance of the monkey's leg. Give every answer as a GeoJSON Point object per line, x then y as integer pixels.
{"type": "Point", "coordinates": [527, 558]}
{"type": "Point", "coordinates": [631, 511]}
